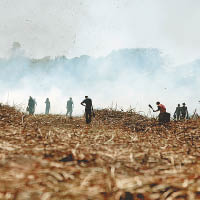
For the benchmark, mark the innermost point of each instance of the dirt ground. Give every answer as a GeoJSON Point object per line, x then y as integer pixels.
{"type": "Point", "coordinates": [119, 156]}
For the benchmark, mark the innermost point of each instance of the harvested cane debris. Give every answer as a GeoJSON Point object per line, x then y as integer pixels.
{"type": "Point", "coordinates": [120, 155]}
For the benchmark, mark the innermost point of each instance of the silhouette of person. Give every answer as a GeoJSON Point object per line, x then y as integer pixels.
{"type": "Point", "coordinates": [70, 106]}
{"type": "Point", "coordinates": [177, 113]}
{"type": "Point", "coordinates": [48, 105]}
{"type": "Point", "coordinates": [31, 105]}
{"type": "Point", "coordinates": [87, 102]}
{"type": "Point", "coordinates": [184, 112]}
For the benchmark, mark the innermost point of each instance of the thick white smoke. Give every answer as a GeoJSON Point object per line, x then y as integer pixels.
{"type": "Point", "coordinates": [127, 77]}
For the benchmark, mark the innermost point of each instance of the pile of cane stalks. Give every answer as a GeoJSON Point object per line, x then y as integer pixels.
{"type": "Point", "coordinates": [119, 156]}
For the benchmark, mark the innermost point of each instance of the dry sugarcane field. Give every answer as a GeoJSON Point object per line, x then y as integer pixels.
{"type": "Point", "coordinates": [119, 156]}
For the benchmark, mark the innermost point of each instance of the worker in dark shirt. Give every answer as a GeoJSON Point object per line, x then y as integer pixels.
{"type": "Point", "coordinates": [87, 102]}
{"type": "Point", "coordinates": [184, 112]}
{"type": "Point", "coordinates": [177, 113]}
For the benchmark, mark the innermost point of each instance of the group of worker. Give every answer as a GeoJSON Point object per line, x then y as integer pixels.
{"type": "Point", "coordinates": [179, 114]}
{"type": "Point", "coordinates": [87, 102]}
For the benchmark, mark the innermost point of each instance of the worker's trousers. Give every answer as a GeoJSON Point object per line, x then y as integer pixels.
{"type": "Point", "coordinates": [88, 115]}
{"type": "Point", "coordinates": [69, 111]}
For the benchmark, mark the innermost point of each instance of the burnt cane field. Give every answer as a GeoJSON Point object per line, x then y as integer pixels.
{"type": "Point", "coordinates": [120, 155]}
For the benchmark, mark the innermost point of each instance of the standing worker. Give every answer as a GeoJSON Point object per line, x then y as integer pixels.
{"type": "Point", "coordinates": [70, 106]}
{"type": "Point", "coordinates": [184, 112]}
{"type": "Point", "coordinates": [47, 102]}
{"type": "Point", "coordinates": [177, 113]}
{"type": "Point", "coordinates": [163, 116]}
{"type": "Point", "coordinates": [87, 102]}
{"type": "Point", "coordinates": [31, 106]}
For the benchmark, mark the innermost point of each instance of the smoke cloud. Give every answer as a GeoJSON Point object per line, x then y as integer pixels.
{"type": "Point", "coordinates": [125, 77]}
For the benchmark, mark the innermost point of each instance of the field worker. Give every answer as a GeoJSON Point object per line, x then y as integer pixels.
{"type": "Point", "coordinates": [31, 105]}
{"type": "Point", "coordinates": [47, 102]}
{"type": "Point", "coordinates": [184, 112]}
{"type": "Point", "coordinates": [162, 110]}
{"type": "Point", "coordinates": [87, 102]}
{"type": "Point", "coordinates": [70, 106]}
{"type": "Point", "coordinates": [177, 112]}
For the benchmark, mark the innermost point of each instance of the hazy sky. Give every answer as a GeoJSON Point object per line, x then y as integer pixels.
{"type": "Point", "coordinates": [96, 27]}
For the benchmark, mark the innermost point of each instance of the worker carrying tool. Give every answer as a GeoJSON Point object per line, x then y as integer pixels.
{"type": "Point", "coordinates": [163, 115]}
